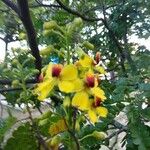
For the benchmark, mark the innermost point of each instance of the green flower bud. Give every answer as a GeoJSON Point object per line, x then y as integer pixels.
{"type": "Point", "coordinates": [66, 102]}
{"type": "Point", "coordinates": [46, 51]}
{"type": "Point", "coordinates": [50, 25]}
{"type": "Point", "coordinates": [46, 32]}
{"type": "Point", "coordinates": [99, 135]}
{"type": "Point", "coordinates": [78, 22]}
{"type": "Point", "coordinates": [15, 62]}
{"type": "Point", "coordinates": [22, 36]}
{"type": "Point", "coordinates": [88, 45]}
{"type": "Point", "coordinates": [15, 83]}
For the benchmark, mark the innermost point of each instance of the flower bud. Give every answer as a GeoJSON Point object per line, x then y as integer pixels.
{"type": "Point", "coordinates": [46, 51]}
{"type": "Point", "coordinates": [88, 45]}
{"type": "Point", "coordinates": [46, 32]}
{"type": "Point", "coordinates": [98, 57]}
{"type": "Point", "coordinates": [15, 83]}
{"type": "Point", "coordinates": [15, 62]}
{"type": "Point", "coordinates": [78, 22]}
{"type": "Point", "coordinates": [99, 135]}
{"type": "Point", "coordinates": [22, 36]}
{"type": "Point", "coordinates": [66, 102]}
{"type": "Point", "coordinates": [77, 125]}
{"type": "Point", "coordinates": [50, 25]}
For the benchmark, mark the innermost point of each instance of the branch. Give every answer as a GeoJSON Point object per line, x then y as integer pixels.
{"type": "Point", "coordinates": [10, 90]}
{"type": "Point", "coordinates": [12, 5]}
{"type": "Point", "coordinates": [3, 39]}
{"type": "Point", "coordinates": [27, 22]}
{"type": "Point", "coordinates": [8, 82]}
{"type": "Point", "coordinates": [76, 13]}
{"type": "Point", "coordinates": [73, 136]}
{"type": "Point", "coordinates": [36, 130]}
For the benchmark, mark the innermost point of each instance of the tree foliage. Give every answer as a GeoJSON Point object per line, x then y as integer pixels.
{"type": "Point", "coordinates": [62, 32]}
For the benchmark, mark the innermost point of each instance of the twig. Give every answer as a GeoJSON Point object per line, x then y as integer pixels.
{"type": "Point", "coordinates": [76, 13]}
{"type": "Point", "coordinates": [73, 135]}
{"type": "Point", "coordinates": [9, 89]}
{"type": "Point", "coordinates": [115, 133]}
{"type": "Point", "coordinates": [35, 129]}
{"type": "Point", "coordinates": [9, 82]}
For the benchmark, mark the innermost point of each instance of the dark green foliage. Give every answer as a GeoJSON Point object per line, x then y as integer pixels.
{"type": "Point", "coordinates": [22, 139]}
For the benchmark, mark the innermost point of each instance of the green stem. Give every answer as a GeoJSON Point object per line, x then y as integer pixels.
{"type": "Point", "coordinates": [89, 135]}
{"type": "Point", "coordinates": [68, 50]}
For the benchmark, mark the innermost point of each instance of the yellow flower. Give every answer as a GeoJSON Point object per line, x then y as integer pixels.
{"type": "Point", "coordinates": [81, 99]}
{"type": "Point", "coordinates": [86, 61]}
{"type": "Point", "coordinates": [96, 110]}
{"type": "Point", "coordinates": [55, 74]}
{"type": "Point", "coordinates": [92, 106]}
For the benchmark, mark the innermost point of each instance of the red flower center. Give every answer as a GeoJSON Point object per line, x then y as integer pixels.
{"type": "Point", "coordinates": [97, 102]}
{"type": "Point", "coordinates": [90, 81]}
{"type": "Point", "coordinates": [40, 78]}
{"type": "Point", "coordinates": [56, 69]}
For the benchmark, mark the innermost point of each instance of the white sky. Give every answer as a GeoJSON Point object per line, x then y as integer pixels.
{"type": "Point", "coordinates": [16, 44]}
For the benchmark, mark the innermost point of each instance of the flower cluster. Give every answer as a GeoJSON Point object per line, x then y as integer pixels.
{"type": "Point", "coordinates": [81, 79]}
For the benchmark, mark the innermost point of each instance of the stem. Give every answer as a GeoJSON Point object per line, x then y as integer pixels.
{"type": "Point", "coordinates": [68, 50]}
{"type": "Point", "coordinates": [35, 129]}
{"type": "Point", "coordinates": [89, 135]}
{"type": "Point", "coordinates": [73, 136]}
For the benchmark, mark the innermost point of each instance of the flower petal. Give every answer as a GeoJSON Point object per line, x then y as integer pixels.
{"type": "Point", "coordinates": [92, 115]}
{"type": "Point", "coordinates": [102, 111]}
{"type": "Point", "coordinates": [86, 61]}
{"type": "Point", "coordinates": [96, 91]}
{"type": "Point", "coordinates": [48, 72]}
{"type": "Point", "coordinates": [78, 85]}
{"type": "Point", "coordinates": [66, 86]}
{"type": "Point", "coordinates": [69, 72]}
{"type": "Point", "coordinates": [44, 88]}
{"type": "Point", "coordinates": [100, 69]}
{"type": "Point", "coordinates": [81, 100]}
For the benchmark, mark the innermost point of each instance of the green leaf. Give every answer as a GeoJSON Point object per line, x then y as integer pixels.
{"type": "Point", "coordinates": [5, 125]}
{"type": "Point", "coordinates": [22, 139]}
{"type": "Point", "coordinates": [146, 113]}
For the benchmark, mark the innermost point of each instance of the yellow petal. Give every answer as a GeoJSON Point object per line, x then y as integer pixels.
{"type": "Point", "coordinates": [100, 69]}
{"type": "Point", "coordinates": [48, 73]}
{"type": "Point", "coordinates": [69, 72]}
{"type": "Point", "coordinates": [102, 111]}
{"type": "Point", "coordinates": [86, 61]}
{"type": "Point", "coordinates": [81, 100]}
{"type": "Point", "coordinates": [92, 115]}
{"type": "Point", "coordinates": [96, 91]}
{"type": "Point", "coordinates": [78, 85]}
{"type": "Point", "coordinates": [66, 86]}
{"type": "Point", "coordinates": [44, 88]}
